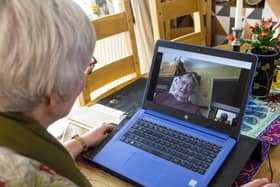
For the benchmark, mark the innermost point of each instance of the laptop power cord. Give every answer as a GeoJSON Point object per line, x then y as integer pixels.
{"type": "Point", "coordinates": [270, 167]}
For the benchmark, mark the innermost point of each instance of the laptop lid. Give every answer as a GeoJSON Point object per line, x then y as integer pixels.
{"type": "Point", "coordinates": [213, 71]}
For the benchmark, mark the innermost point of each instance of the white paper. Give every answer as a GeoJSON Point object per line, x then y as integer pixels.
{"type": "Point", "coordinates": [90, 117]}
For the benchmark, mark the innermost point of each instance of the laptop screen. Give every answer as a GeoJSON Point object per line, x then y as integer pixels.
{"type": "Point", "coordinates": [205, 86]}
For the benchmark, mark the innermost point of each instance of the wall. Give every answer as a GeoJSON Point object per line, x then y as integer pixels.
{"type": "Point", "coordinates": [225, 18]}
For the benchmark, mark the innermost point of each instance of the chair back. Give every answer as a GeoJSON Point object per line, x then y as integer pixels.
{"type": "Point", "coordinates": [164, 11]}
{"type": "Point", "coordinates": [120, 72]}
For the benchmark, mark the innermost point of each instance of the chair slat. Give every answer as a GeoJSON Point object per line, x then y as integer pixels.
{"type": "Point", "coordinates": [193, 38]}
{"type": "Point", "coordinates": [110, 72]}
{"type": "Point", "coordinates": [175, 8]}
{"type": "Point", "coordinates": [110, 25]}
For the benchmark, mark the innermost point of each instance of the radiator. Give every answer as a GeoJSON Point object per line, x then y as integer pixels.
{"type": "Point", "coordinates": [109, 49]}
{"type": "Point", "coordinates": [106, 51]}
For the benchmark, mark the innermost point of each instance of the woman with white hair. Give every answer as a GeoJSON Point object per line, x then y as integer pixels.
{"type": "Point", "coordinates": [45, 48]}
{"type": "Point", "coordinates": [180, 98]}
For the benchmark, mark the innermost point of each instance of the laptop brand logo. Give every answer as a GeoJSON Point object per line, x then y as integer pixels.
{"type": "Point", "coordinates": [186, 116]}
{"type": "Point", "coordinates": [192, 183]}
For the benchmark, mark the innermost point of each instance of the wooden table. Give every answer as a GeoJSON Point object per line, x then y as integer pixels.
{"type": "Point", "coordinates": [264, 172]}
{"type": "Point", "coordinates": [229, 47]}
{"type": "Point", "coordinates": [98, 178]}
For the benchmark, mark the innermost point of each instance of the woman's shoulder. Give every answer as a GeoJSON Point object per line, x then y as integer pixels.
{"type": "Point", "coordinates": [18, 170]}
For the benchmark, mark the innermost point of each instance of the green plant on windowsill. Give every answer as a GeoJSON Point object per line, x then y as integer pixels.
{"type": "Point", "coordinates": [264, 37]}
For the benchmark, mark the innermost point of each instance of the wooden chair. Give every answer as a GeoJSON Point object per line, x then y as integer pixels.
{"type": "Point", "coordinates": [118, 73]}
{"type": "Point", "coordinates": [164, 11]}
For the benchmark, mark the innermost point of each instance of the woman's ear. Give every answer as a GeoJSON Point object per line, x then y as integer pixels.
{"type": "Point", "coordinates": [52, 100]}
{"type": "Point", "coordinates": [57, 107]}
{"type": "Point", "coordinates": [45, 101]}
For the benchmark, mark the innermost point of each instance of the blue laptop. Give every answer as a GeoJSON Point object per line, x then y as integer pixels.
{"type": "Point", "coordinates": [189, 121]}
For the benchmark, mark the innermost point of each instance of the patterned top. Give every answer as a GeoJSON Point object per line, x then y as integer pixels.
{"type": "Point", "coordinates": [20, 171]}
{"type": "Point", "coordinates": [28, 138]}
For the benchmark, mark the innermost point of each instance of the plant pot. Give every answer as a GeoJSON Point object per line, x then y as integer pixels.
{"type": "Point", "coordinates": [265, 72]}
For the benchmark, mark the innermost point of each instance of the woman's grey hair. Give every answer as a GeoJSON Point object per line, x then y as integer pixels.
{"type": "Point", "coordinates": [45, 47]}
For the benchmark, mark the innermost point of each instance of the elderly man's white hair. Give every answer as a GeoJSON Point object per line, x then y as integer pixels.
{"type": "Point", "coordinates": [45, 46]}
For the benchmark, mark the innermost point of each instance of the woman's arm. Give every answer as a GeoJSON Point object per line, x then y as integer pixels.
{"type": "Point", "coordinates": [91, 138]}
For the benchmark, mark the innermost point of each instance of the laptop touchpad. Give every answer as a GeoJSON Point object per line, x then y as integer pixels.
{"type": "Point", "coordinates": [142, 166]}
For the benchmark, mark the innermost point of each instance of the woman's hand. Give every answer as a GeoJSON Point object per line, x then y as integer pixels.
{"type": "Point", "coordinates": [264, 182]}
{"type": "Point", "coordinates": [91, 138]}
{"type": "Point", "coordinates": [97, 135]}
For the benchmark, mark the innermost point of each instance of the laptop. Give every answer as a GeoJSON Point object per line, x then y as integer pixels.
{"type": "Point", "coordinates": [163, 145]}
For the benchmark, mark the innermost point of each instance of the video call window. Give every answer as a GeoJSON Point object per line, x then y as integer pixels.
{"type": "Point", "coordinates": [200, 86]}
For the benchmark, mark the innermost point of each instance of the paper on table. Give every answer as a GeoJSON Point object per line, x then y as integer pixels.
{"type": "Point", "coordinates": [90, 117]}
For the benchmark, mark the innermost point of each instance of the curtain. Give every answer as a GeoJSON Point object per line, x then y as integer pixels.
{"type": "Point", "coordinates": [144, 32]}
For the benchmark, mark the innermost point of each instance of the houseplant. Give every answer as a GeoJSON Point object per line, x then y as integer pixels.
{"type": "Point", "coordinates": [264, 42]}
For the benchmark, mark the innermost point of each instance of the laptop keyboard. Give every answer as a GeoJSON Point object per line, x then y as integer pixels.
{"type": "Point", "coordinates": [189, 152]}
